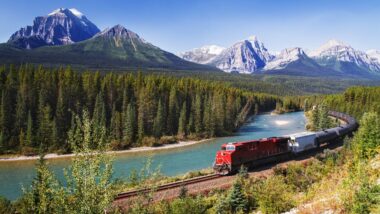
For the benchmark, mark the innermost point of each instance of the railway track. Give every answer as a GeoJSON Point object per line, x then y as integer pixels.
{"type": "Point", "coordinates": [163, 187]}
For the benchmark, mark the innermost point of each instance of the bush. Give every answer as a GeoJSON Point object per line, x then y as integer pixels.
{"type": "Point", "coordinates": [5, 205]}
{"type": "Point", "coordinates": [274, 195]}
{"type": "Point", "coordinates": [150, 141]}
{"type": "Point", "coordinates": [365, 198]}
{"type": "Point", "coordinates": [28, 151]}
{"type": "Point", "coordinates": [167, 140]}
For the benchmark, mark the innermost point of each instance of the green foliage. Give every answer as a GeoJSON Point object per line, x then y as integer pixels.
{"type": "Point", "coordinates": [367, 139]}
{"type": "Point", "coordinates": [45, 194]}
{"type": "Point", "coordinates": [41, 103]}
{"type": "Point", "coordinates": [320, 119]}
{"type": "Point", "coordinates": [183, 192]}
{"type": "Point", "coordinates": [274, 195]}
{"type": "Point", "coordinates": [365, 198]}
{"type": "Point", "coordinates": [355, 101]}
{"type": "Point", "coordinates": [236, 199]}
{"type": "Point", "coordinates": [89, 178]}
{"type": "Point", "coordinates": [6, 206]}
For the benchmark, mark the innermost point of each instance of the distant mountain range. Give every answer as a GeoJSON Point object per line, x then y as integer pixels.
{"type": "Point", "coordinates": [333, 58]}
{"type": "Point", "coordinates": [66, 36]}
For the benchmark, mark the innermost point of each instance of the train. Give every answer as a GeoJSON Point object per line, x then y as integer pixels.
{"type": "Point", "coordinates": [232, 156]}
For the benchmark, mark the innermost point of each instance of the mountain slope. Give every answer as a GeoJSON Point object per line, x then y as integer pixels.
{"type": "Point", "coordinates": [112, 48]}
{"type": "Point", "coordinates": [344, 59]}
{"type": "Point", "coordinates": [61, 27]}
{"type": "Point", "coordinates": [374, 55]}
{"type": "Point", "coordinates": [202, 55]}
{"type": "Point", "coordinates": [246, 56]}
{"type": "Point", "coordinates": [294, 61]}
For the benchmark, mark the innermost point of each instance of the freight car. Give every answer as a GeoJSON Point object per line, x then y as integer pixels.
{"type": "Point", "coordinates": [267, 150]}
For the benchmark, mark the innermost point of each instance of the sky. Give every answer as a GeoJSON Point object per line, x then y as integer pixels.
{"type": "Point", "coordinates": [181, 25]}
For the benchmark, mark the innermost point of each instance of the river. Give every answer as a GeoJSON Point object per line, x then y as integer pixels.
{"type": "Point", "coordinates": [14, 175]}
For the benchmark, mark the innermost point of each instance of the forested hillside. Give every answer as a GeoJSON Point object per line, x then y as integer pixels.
{"type": "Point", "coordinates": [38, 104]}
{"type": "Point", "coordinates": [355, 101]}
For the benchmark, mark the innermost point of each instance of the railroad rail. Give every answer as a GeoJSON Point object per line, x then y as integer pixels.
{"type": "Point", "coordinates": [172, 185]}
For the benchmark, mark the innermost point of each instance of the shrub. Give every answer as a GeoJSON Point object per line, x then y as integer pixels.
{"type": "Point", "coordinates": [28, 151]}
{"type": "Point", "coordinates": [5, 205]}
{"type": "Point", "coordinates": [167, 140]}
{"type": "Point", "coordinates": [274, 195]}
{"type": "Point", "coordinates": [365, 198]}
{"type": "Point", "coordinates": [150, 141]}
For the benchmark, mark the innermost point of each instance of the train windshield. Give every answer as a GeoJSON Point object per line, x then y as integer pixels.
{"type": "Point", "coordinates": [230, 148]}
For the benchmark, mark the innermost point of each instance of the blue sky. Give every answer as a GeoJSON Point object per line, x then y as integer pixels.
{"type": "Point", "coordinates": [179, 25]}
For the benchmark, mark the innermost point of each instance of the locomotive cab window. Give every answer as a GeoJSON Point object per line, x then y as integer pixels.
{"type": "Point", "coordinates": [230, 148]}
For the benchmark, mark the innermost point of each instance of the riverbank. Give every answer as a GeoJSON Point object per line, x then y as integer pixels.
{"type": "Point", "coordinates": [132, 150]}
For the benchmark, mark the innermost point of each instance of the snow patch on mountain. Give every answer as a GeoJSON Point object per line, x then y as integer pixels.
{"type": "Point", "coordinates": [61, 27]}
{"type": "Point", "coordinates": [335, 50]}
{"type": "Point", "coordinates": [284, 58]}
{"type": "Point", "coordinates": [374, 55]}
{"type": "Point", "coordinates": [202, 55]}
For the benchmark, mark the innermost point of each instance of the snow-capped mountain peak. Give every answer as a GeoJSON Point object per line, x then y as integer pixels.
{"type": "Point", "coordinates": [253, 38]}
{"type": "Point", "coordinates": [286, 56]}
{"type": "Point", "coordinates": [76, 12]}
{"type": "Point", "coordinates": [202, 55]}
{"type": "Point", "coordinates": [212, 49]}
{"type": "Point", "coordinates": [61, 27]}
{"type": "Point", "coordinates": [374, 54]}
{"type": "Point", "coordinates": [64, 11]}
{"type": "Point", "coordinates": [337, 54]}
{"type": "Point", "coordinates": [247, 56]}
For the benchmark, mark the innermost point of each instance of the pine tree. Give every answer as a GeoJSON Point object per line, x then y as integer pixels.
{"type": "Point", "coordinates": [367, 139]}
{"type": "Point", "coordinates": [198, 114]}
{"type": "Point", "coordinates": [2, 143]}
{"type": "Point", "coordinates": [173, 111]}
{"type": "Point", "coordinates": [236, 198]}
{"type": "Point", "coordinates": [129, 125]}
{"type": "Point", "coordinates": [45, 132]}
{"type": "Point", "coordinates": [323, 117]}
{"type": "Point", "coordinates": [182, 122]}
{"type": "Point", "coordinates": [158, 125]}
{"type": "Point", "coordinates": [29, 131]}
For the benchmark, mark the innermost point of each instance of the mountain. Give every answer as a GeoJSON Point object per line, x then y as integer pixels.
{"type": "Point", "coordinates": [374, 55]}
{"type": "Point", "coordinates": [343, 58]}
{"type": "Point", "coordinates": [113, 48]}
{"type": "Point", "coordinates": [294, 61]}
{"type": "Point", "coordinates": [60, 27]}
{"type": "Point", "coordinates": [202, 55]}
{"type": "Point", "coordinates": [247, 56]}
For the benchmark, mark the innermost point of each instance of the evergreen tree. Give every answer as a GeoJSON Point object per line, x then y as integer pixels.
{"type": "Point", "coordinates": [173, 111]}
{"type": "Point", "coordinates": [323, 117]}
{"type": "Point", "coordinates": [198, 114]}
{"type": "Point", "coordinates": [182, 121]}
{"type": "Point", "coordinates": [29, 131]}
{"type": "Point", "coordinates": [2, 143]}
{"type": "Point", "coordinates": [236, 198]}
{"type": "Point", "coordinates": [367, 139]}
{"type": "Point", "coordinates": [45, 128]}
{"type": "Point", "coordinates": [129, 125]}
{"type": "Point", "coordinates": [159, 121]}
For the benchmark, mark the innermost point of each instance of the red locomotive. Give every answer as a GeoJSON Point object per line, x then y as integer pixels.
{"type": "Point", "coordinates": [249, 153]}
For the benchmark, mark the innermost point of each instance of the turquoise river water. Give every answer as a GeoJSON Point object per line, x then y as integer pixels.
{"type": "Point", "coordinates": [14, 175]}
